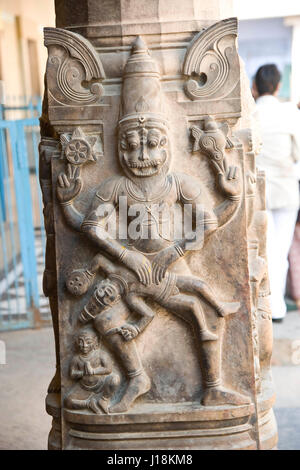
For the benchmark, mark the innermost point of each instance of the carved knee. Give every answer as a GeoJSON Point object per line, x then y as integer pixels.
{"type": "Point", "coordinates": [113, 381]}
{"type": "Point", "coordinates": [111, 384]}
{"type": "Point", "coordinates": [194, 304]}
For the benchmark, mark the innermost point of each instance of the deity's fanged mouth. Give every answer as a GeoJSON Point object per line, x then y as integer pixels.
{"type": "Point", "coordinates": [146, 167]}
{"type": "Point", "coordinates": [144, 164]}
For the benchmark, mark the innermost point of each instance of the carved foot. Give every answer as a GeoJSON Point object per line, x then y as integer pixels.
{"type": "Point", "coordinates": [103, 403]}
{"type": "Point", "coordinates": [55, 384]}
{"type": "Point", "coordinates": [93, 405]}
{"type": "Point", "coordinates": [217, 396]}
{"type": "Point", "coordinates": [137, 386]}
{"type": "Point", "coordinates": [227, 308]}
{"type": "Point", "coordinates": [207, 335]}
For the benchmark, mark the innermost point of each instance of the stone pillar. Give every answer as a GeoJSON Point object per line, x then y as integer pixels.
{"type": "Point", "coordinates": [156, 265]}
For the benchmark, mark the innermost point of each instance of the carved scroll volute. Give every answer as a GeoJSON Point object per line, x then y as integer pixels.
{"type": "Point", "coordinates": [211, 63]}
{"type": "Point", "coordinates": [74, 70]}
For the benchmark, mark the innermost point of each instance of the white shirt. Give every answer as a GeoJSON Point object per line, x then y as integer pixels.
{"type": "Point", "coordinates": [280, 132]}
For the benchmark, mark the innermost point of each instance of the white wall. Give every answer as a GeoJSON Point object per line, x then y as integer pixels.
{"type": "Point", "coordinates": [249, 9]}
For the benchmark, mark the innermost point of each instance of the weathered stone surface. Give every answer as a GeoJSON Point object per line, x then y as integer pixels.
{"type": "Point", "coordinates": [163, 340]}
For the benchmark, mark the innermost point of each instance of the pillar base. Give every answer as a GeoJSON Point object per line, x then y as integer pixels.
{"type": "Point", "coordinates": [163, 427]}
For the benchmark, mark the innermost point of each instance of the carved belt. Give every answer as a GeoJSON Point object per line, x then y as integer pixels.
{"type": "Point", "coordinates": [167, 287]}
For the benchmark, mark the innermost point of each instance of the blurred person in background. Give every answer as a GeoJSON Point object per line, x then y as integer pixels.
{"type": "Point", "coordinates": [280, 132]}
{"type": "Point", "coordinates": [294, 261]}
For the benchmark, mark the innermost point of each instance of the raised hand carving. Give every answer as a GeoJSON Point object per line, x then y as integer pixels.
{"type": "Point", "coordinates": [230, 183]}
{"type": "Point", "coordinates": [69, 185]}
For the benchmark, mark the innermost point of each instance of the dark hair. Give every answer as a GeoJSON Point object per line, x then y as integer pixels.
{"type": "Point", "coordinates": [267, 78]}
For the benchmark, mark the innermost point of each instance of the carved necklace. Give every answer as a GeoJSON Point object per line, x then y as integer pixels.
{"type": "Point", "coordinates": [160, 195]}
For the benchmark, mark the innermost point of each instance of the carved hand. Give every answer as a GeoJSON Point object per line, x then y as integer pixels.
{"type": "Point", "coordinates": [128, 332]}
{"type": "Point", "coordinates": [161, 263]}
{"type": "Point", "coordinates": [139, 264]}
{"type": "Point", "coordinates": [230, 183]}
{"type": "Point", "coordinates": [89, 369]}
{"type": "Point", "coordinates": [68, 185]}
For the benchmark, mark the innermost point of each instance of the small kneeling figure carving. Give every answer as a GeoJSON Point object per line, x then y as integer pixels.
{"type": "Point", "coordinates": [93, 368]}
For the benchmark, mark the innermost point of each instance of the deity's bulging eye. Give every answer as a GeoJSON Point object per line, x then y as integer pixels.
{"type": "Point", "coordinates": [133, 140]}
{"type": "Point", "coordinates": [153, 142]}
{"type": "Point", "coordinates": [153, 138]}
{"type": "Point", "coordinates": [133, 145]}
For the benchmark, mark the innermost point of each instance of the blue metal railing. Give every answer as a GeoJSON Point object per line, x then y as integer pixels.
{"type": "Point", "coordinates": [20, 283]}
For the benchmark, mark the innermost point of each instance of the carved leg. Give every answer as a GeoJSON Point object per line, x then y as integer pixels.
{"type": "Point", "coordinates": [80, 399]}
{"type": "Point", "coordinates": [111, 384]}
{"type": "Point", "coordinates": [214, 393]}
{"type": "Point", "coordinates": [89, 403]}
{"type": "Point", "coordinates": [196, 286]}
{"type": "Point", "coordinates": [138, 381]}
{"type": "Point", "coordinates": [189, 308]}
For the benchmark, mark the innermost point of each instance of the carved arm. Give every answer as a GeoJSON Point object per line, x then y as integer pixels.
{"type": "Point", "coordinates": [136, 304]}
{"type": "Point", "coordinates": [75, 373]}
{"type": "Point", "coordinates": [212, 141]}
{"type": "Point", "coordinates": [133, 260]}
{"type": "Point", "coordinates": [68, 187]}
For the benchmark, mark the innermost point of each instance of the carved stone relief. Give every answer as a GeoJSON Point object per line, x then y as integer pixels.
{"type": "Point", "coordinates": [155, 312]}
{"type": "Point", "coordinates": [211, 62]}
{"type": "Point", "coordinates": [92, 369]}
{"type": "Point", "coordinates": [74, 75]}
{"type": "Point", "coordinates": [77, 71]}
{"type": "Point", "coordinates": [212, 71]}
